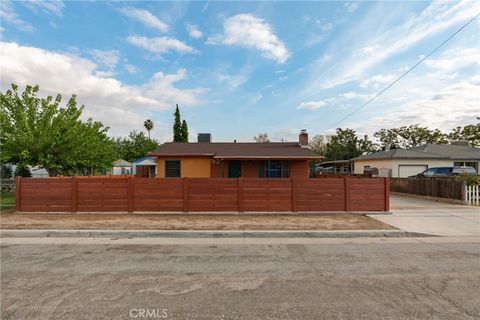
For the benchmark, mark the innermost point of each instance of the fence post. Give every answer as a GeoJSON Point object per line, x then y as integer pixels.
{"type": "Point", "coordinates": [347, 193]}
{"type": "Point", "coordinates": [240, 194]}
{"type": "Point", "coordinates": [386, 183]}
{"type": "Point", "coordinates": [185, 195]}
{"type": "Point", "coordinates": [130, 193]}
{"type": "Point", "coordinates": [74, 188]}
{"type": "Point", "coordinates": [18, 205]}
{"type": "Point", "coordinates": [294, 195]}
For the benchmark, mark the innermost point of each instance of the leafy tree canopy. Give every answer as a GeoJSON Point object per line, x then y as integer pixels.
{"type": "Point", "coordinates": [261, 137]}
{"type": "Point", "coordinates": [345, 144]}
{"type": "Point", "coordinates": [470, 133]}
{"type": "Point", "coordinates": [134, 146]}
{"type": "Point", "coordinates": [38, 132]}
{"type": "Point", "coordinates": [409, 136]}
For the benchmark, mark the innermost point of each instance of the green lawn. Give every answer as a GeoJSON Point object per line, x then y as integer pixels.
{"type": "Point", "coordinates": [7, 200]}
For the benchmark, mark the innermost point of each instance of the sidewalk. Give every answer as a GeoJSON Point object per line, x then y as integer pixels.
{"type": "Point", "coordinates": [186, 234]}
{"type": "Point", "coordinates": [424, 216]}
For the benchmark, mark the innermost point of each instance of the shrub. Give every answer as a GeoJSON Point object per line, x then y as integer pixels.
{"type": "Point", "coordinates": [22, 170]}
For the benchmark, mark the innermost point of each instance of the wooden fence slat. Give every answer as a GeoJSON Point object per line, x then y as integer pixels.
{"type": "Point", "coordinates": [18, 190]}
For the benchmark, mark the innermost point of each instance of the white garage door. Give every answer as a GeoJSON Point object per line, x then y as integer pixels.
{"type": "Point", "coordinates": [410, 170]}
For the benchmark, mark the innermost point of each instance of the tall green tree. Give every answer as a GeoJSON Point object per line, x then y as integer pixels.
{"type": "Point", "coordinates": [345, 144]}
{"type": "Point", "coordinates": [38, 132]}
{"type": "Point", "coordinates": [134, 146]}
{"type": "Point", "coordinates": [184, 131]}
{"type": "Point", "coordinates": [177, 126]}
{"type": "Point", "coordinates": [148, 124]}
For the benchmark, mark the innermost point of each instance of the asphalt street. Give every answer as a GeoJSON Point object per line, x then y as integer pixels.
{"type": "Point", "coordinates": [399, 278]}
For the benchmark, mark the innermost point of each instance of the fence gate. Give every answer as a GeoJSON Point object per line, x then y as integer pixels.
{"type": "Point", "coordinates": [472, 195]}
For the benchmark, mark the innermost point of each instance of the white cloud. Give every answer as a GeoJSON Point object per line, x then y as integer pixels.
{"type": "Point", "coordinates": [160, 45]}
{"type": "Point", "coordinates": [384, 43]}
{"type": "Point", "coordinates": [376, 80]}
{"type": "Point", "coordinates": [8, 14]}
{"type": "Point", "coordinates": [121, 106]}
{"type": "Point", "coordinates": [313, 105]}
{"type": "Point", "coordinates": [354, 95]}
{"type": "Point", "coordinates": [131, 68]}
{"type": "Point", "coordinates": [49, 6]}
{"type": "Point", "coordinates": [107, 58]}
{"type": "Point", "coordinates": [146, 18]}
{"type": "Point", "coordinates": [194, 31]}
{"type": "Point", "coordinates": [351, 6]}
{"type": "Point", "coordinates": [454, 105]}
{"type": "Point", "coordinates": [248, 31]}
{"type": "Point", "coordinates": [454, 60]}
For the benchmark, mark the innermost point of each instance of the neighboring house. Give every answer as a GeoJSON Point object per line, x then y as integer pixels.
{"type": "Point", "coordinates": [145, 166]}
{"type": "Point", "coordinates": [232, 159]}
{"type": "Point", "coordinates": [121, 167]}
{"type": "Point", "coordinates": [400, 163]}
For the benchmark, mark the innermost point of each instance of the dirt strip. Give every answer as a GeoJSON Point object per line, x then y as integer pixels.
{"type": "Point", "coordinates": [188, 222]}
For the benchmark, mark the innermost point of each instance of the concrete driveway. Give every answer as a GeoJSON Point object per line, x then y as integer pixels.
{"type": "Point", "coordinates": [436, 218]}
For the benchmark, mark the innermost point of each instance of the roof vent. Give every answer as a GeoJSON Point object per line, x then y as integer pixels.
{"type": "Point", "coordinates": [204, 137]}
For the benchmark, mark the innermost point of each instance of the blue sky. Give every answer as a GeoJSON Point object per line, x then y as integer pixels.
{"type": "Point", "coordinates": [240, 68]}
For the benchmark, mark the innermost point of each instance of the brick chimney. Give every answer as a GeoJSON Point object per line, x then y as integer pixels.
{"type": "Point", "coordinates": [303, 138]}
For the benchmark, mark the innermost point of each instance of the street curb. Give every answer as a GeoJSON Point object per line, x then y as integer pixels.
{"type": "Point", "coordinates": [208, 234]}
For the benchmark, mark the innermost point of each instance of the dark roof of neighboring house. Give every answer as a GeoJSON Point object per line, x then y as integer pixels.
{"type": "Point", "coordinates": [452, 151]}
{"type": "Point", "coordinates": [236, 150]}
{"type": "Point", "coordinates": [428, 151]}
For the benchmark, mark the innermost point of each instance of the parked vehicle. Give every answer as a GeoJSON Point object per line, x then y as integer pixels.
{"type": "Point", "coordinates": [446, 172]}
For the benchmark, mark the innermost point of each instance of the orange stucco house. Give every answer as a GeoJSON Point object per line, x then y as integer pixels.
{"type": "Point", "coordinates": [208, 159]}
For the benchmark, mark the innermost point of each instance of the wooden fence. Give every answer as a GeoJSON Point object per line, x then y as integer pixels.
{"type": "Point", "coordinates": [433, 187]}
{"type": "Point", "coordinates": [131, 194]}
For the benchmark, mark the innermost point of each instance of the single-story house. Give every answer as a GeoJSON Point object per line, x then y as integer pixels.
{"type": "Point", "coordinates": [121, 167]}
{"type": "Point", "coordinates": [235, 159]}
{"type": "Point", "coordinates": [401, 163]}
{"type": "Point", "coordinates": [145, 166]}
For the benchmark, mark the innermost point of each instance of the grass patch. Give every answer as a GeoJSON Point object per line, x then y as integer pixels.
{"type": "Point", "coordinates": [7, 200]}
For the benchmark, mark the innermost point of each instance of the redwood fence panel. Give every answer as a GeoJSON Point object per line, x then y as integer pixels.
{"type": "Point", "coordinates": [434, 187]}
{"type": "Point", "coordinates": [131, 194]}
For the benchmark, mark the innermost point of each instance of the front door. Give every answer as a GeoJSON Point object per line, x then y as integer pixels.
{"type": "Point", "coordinates": [234, 169]}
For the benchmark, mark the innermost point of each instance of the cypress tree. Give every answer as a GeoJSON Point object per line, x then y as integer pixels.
{"type": "Point", "coordinates": [177, 127]}
{"type": "Point", "coordinates": [184, 131]}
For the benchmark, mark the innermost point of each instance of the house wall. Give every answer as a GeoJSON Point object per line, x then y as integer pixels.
{"type": "Point", "coordinates": [203, 167]}
{"type": "Point", "coordinates": [394, 163]}
{"type": "Point", "coordinates": [191, 167]}
{"type": "Point", "coordinates": [298, 169]}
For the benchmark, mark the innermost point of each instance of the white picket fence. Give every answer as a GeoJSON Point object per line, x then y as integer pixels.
{"type": "Point", "coordinates": [472, 195]}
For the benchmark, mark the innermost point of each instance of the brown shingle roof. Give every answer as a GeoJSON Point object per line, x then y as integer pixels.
{"type": "Point", "coordinates": [239, 150]}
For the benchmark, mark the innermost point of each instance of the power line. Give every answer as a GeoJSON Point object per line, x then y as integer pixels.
{"type": "Point", "coordinates": [403, 75]}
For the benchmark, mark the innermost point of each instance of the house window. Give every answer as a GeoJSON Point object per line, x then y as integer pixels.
{"type": "Point", "coordinates": [466, 164]}
{"type": "Point", "coordinates": [172, 169]}
{"type": "Point", "coordinates": [274, 169]}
